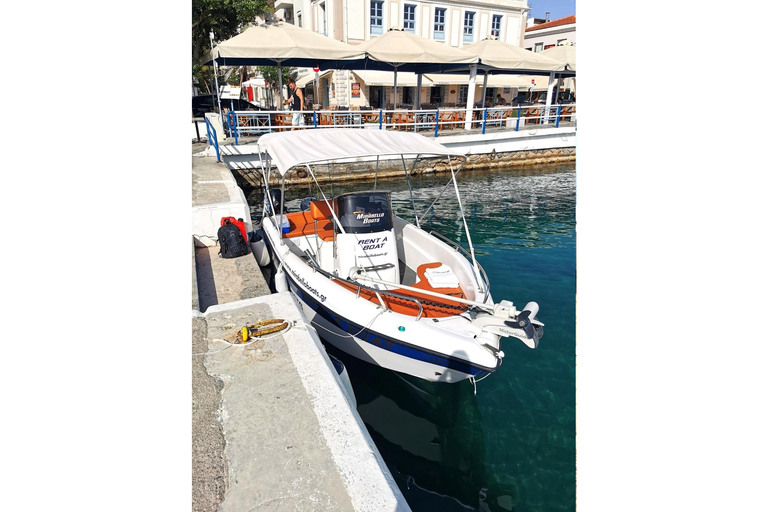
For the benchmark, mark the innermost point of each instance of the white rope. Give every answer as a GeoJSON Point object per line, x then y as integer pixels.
{"type": "Point", "coordinates": [251, 340]}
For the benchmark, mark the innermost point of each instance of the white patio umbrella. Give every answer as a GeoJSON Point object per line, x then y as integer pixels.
{"type": "Point", "coordinates": [497, 56]}
{"type": "Point", "coordinates": [279, 43]}
{"type": "Point", "coordinates": [563, 53]}
{"type": "Point", "coordinates": [402, 51]}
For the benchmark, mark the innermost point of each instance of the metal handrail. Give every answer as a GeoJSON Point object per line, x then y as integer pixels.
{"type": "Point", "coordinates": [209, 127]}
{"type": "Point", "coordinates": [316, 267]}
{"type": "Point", "coordinates": [415, 120]}
{"type": "Point", "coordinates": [466, 254]}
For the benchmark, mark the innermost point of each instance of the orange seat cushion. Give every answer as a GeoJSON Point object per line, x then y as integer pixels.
{"type": "Point", "coordinates": [303, 224]}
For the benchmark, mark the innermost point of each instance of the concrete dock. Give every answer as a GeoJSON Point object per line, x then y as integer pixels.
{"type": "Point", "coordinates": [272, 427]}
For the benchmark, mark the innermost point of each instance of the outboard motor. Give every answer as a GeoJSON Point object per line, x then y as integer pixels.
{"type": "Point", "coordinates": [277, 200]}
{"type": "Point", "coordinates": [368, 243]}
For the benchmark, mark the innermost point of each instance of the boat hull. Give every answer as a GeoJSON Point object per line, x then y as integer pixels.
{"type": "Point", "coordinates": [373, 347]}
{"type": "Point", "coordinates": [367, 342]}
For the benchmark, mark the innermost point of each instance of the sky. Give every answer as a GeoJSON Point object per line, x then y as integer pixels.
{"type": "Point", "coordinates": [556, 8]}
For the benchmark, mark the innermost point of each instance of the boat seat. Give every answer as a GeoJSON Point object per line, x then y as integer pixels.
{"type": "Point", "coordinates": [424, 284]}
{"type": "Point", "coordinates": [304, 223]}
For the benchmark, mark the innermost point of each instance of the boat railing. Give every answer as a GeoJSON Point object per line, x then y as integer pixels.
{"type": "Point", "coordinates": [486, 282]}
{"type": "Point", "coordinates": [212, 136]}
{"type": "Point", "coordinates": [316, 267]}
{"type": "Point", "coordinates": [428, 121]}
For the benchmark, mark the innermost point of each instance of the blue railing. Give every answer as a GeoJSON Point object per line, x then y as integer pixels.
{"type": "Point", "coordinates": [247, 123]}
{"type": "Point", "coordinates": [212, 137]}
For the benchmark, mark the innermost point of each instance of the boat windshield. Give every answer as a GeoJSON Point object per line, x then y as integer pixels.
{"type": "Point", "coordinates": [365, 212]}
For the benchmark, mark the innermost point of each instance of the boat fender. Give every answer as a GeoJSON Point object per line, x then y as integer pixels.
{"type": "Point", "coordinates": [260, 252]}
{"type": "Point", "coordinates": [281, 282]}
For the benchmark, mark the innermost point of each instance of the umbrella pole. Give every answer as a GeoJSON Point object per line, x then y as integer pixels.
{"type": "Point", "coordinates": [418, 91]}
{"type": "Point", "coordinates": [550, 86]}
{"type": "Point", "coordinates": [280, 84]}
{"type": "Point", "coordinates": [395, 99]}
{"type": "Point", "coordinates": [470, 97]}
{"type": "Point", "coordinates": [485, 85]}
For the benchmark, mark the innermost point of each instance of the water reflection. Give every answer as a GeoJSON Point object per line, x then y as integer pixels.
{"type": "Point", "coordinates": [430, 435]}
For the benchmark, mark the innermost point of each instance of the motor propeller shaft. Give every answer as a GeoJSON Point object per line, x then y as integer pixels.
{"type": "Point", "coordinates": [506, 320]}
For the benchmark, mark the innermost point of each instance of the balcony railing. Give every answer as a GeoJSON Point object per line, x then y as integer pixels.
{"type": "Point", "coordinates": [439, 121]}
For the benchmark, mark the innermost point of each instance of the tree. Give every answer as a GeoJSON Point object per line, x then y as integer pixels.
{"type": "Point", "coordinates": [225, 18]}
{"type": "Point", "coordinates": [270, 76]}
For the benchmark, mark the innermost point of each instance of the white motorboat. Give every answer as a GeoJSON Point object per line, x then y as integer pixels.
{"type": "Point", "coordinates": [379, 288]}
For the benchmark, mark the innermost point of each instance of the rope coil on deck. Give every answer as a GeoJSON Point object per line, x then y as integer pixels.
{"type": "Point", "coordinates": [252, 333]}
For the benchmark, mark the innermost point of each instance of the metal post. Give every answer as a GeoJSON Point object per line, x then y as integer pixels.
{"type": "Point", "coordinates": [233, 122]}
{"type": "Point", "coordinates": [485, 115]}
{"type": "Point", "coordinates": [517, 124]}
{"type": "Point", "coordinates": [557, 120]}
{"type": "Point", "coordinates": [470, 97]}
{"type": "Point", "coordinates": [216, 79]}
{"type": "Point", "coordinates": [437, 121]}
{"type": "Point", "coordinates": [381, 116]}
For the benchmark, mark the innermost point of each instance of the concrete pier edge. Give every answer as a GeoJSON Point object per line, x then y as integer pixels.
{"type": "Point", "coordinates": [272, 427]}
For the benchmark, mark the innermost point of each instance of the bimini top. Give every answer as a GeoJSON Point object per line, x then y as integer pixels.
{"type": "Point", "coordinates": [289, 149]}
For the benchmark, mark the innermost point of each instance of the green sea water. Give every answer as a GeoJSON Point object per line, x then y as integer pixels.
{"type": "Point", "coordinates": [509, 443]}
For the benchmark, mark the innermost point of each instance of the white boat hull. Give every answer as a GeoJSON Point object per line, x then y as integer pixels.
{"type": "Point", "coordinates": [437, 351]}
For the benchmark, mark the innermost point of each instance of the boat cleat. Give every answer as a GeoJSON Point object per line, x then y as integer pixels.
{"type": "Point", "coordinates": [506, 320]}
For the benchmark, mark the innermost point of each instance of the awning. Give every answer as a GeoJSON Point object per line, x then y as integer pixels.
{"type": "Point", "coordinates": [289, 149]}
{"type": "Point", "coordinates": [387, 78]}
{"type": "Point", "coordinates": [310, 77]}
{"type": "Point", "coordinates": [519, 81]}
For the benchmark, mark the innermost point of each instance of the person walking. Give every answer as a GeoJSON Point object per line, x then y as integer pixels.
{"type": "Point", "coordinates": [296, 100]}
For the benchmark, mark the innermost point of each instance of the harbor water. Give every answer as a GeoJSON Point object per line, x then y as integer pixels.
{"type": "Point", "coordinates": [508, 442]}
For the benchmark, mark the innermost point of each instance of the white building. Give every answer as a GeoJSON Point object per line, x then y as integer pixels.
{"type": "Point", "coordinates": [540, 36]}
{"type": "Point", "coordinates": [456, 23]}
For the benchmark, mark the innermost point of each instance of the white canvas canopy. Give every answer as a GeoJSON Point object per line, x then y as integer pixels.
{"type": "Point", "coordinates": [289, 149]}
{"type": "Point", "coordinates": [564, 53]}
{"type": "Point", "coordinates": [402, 51]}
{"type": "Point", "coordinates": [504, 56]}
{"type": "Point", "coordinates": [270, 44]}
{"type": "Point", "coordinates": [387, 78]}
{"type": "Point", "coordinates": [310, 77]}
{"type": "Point", "coordinates": [518, 81]}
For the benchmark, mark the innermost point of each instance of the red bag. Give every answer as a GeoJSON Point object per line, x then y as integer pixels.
{"type": "Point", "coordinates": [239, 223]}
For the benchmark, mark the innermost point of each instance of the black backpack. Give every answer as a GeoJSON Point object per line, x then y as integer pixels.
{"type": "Point", "coordinates": [231, 241]}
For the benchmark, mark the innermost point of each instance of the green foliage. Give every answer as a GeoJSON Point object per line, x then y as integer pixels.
{"type": "Point", "coordinates": [225, 18]}
{"type": "Point", "coordinates": [270, 76]}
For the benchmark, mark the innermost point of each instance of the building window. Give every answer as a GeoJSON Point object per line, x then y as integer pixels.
{"type": "Point", "coordinates": [323, 29]}
{"type": "Point", "coordinates": [409, 18]}
{"type": "Point", "coordinates": [377, 18]}
{"type": "Point", "coordinates": [463, 94]}
{"type": "Point", "coordinates": [469, 26]}
{"type": "Point", "coordinates": [496, 25]}
{"type": "Point", "coordinates": [439, 24]}
{"type": "Point", "coordinates": [538, 47]}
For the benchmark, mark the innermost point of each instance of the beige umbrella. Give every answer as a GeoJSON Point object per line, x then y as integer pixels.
{"type": "Point", "coordinates": [564, 53]}
{"type": "Point", "coordinates": [403, 51]}
{"type": "Point", "coordinates": [280, 43]}
{"type": "Point", "coordinates": [498, 54]}
{"type": "Point", "coordinates": [277, 43]}
{"type": "Point", "coordinates": [499, 57]}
